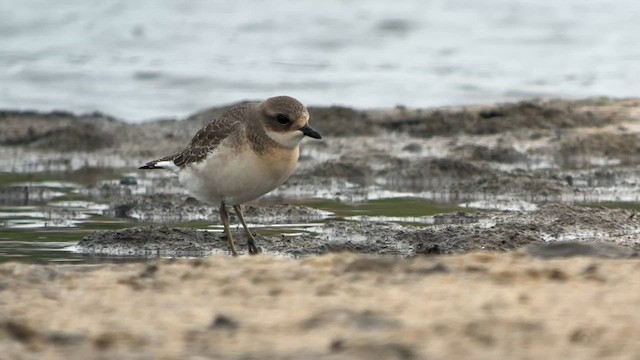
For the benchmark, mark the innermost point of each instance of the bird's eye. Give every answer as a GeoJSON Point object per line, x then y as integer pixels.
{"type": "Point", "coordinates": [283, 119]}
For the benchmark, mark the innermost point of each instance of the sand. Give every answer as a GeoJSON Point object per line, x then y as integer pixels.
{"type": "Point", "coordinates": [339, 306]}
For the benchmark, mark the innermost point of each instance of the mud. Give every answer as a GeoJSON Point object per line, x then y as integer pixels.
{"type": "Point", "coordinates": [151, 241]}
{"type": "Point", "coordinates": [534, 118]}
{"type": "Point", "coordinates": [493, 119]}
{"type": "Point", "coordinates": [530, 153]}
{"type": "Point", "coordinates": [499, 154]}
{"type": "Point", "coordinates": [588, 227]}
{"type": "Point", "coordinates": [624, 147]}
{"type": "Point", "coordinates": [58, 131]}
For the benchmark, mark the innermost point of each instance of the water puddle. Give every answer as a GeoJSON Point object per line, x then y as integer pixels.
{"type": "Point", "coordinates": [46, 228]}
{"type": "Point", "coordinates": [42, 216]}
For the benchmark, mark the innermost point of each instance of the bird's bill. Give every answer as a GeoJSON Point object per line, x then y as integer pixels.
{"type": "Point", "coordinates": [308, 131]}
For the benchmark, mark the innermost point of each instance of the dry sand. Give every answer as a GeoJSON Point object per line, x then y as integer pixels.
{"type": "Point", "coordinates": [340, 306]}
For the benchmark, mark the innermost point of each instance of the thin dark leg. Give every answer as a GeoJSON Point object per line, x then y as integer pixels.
{"type": "Point", "coordinates": [251, 241]}
{"type": "Point", "coordinates": [224, 215]}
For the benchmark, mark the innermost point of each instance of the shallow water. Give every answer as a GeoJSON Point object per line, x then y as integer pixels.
{"type": "Point", "coordinates": [42, 217]}
{"type": "Point", "coordinates": [147, 59]}
{"type": "Point", "coordinates": [45, 229]}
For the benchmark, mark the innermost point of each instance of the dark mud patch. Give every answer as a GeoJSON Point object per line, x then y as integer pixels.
{"type": "Point", "coordinates": [81, 137]}
{"type": "Point", "coordinates": [528, 185]}
{"type": "Point", "coordinates": [578, 152]}
{"type": "Point", "coordinates": [59, 131]}
{"type": "Point", "coordinates": [358, 172]}
{"type": "Point", "coordinates": [435, 168]}
{"type": "Point", "coordinates": [342, 121]}
{"type": "Point", "coordinates": [501, 154]}
{"type": "Point", "coordinates": [535, 114]}
{"type": "Point", "coordinates": [561, 216]}
{"type": "Point", "coordinates": [461, 239]}
{"type": "Point", "coordinates": [152, 240]}
{"type": "Point", "coordinates": [464, 179]}
{"type": "Point", "coordinates": [493, 232]}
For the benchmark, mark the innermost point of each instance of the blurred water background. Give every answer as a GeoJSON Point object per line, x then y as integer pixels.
{"type": "Point", "coordinates": [147, 59]}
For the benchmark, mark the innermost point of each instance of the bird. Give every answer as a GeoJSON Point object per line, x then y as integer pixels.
{"type": "Point", "coordinates": [246, 152]}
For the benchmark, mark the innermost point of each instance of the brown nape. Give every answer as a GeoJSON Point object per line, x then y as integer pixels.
{"type": "Point", "coordinates": [256, 135]}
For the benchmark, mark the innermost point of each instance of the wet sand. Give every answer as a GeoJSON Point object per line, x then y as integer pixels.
{"type": "Point", "coordinates": [535, 274]}
{"type": "Point", "coordinates": [596, 231]}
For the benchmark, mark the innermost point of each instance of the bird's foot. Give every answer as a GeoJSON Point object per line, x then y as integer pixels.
{"type": "Point", "coordinates": [253, 249]}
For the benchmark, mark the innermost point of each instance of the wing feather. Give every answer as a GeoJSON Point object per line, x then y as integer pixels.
{"type": "Point", "coordinates": [207, 139]}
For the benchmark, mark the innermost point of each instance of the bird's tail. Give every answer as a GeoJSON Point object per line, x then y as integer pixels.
{"type": "Point", "coordinates": [151, 165]}
{"type": "Point", "coordinates": [164, 163]}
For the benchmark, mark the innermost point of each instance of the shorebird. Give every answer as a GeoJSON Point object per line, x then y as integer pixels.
{"type": "Point", "coordinates": [245, 153]}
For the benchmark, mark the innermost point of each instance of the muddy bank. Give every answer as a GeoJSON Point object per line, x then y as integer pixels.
{"type": "Point", "coordinates": [479, 120]}
{"type": "Point", "coordinates": [579, 229]}
{"type": "Point", "coordinates": [499, 118]}
{"type": "Point", "coordinates": [59, 131]}
{"type": "Point", "coordinates": [531, 150]}
{"type": "Point", "coordinates": [92, 132]}
{"type": "Point", "coordinates": [89, 132]}
{"type": "Point", "coordinates": [480, 305]}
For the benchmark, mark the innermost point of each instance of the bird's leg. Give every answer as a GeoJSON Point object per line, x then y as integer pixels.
{"type": "Point", "coordinates": [224, 215]}
{"type": "Point", "coordinates": [251, 241]}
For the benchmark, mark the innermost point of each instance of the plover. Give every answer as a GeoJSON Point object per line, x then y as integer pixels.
{"type": "Point", "coordinates": [245, 153]}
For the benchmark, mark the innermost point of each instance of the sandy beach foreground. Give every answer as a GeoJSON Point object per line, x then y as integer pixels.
{"type": "Point", "coordinates": [339, 306]}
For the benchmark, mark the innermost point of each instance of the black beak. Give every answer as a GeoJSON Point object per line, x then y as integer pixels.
{"type": "Point", "coordinates": [308, 131]}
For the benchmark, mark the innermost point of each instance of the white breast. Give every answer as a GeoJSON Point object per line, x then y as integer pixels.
{"type": "Point", "coordinates": [236, 176]}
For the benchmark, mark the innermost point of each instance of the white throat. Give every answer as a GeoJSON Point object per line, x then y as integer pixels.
{"type": "Point", "coordinates": [289, 139]}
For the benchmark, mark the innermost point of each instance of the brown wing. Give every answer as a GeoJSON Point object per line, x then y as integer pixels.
{"type": "Point", "coordinates": [209, 137]}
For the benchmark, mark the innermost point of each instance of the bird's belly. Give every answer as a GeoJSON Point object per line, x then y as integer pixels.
{"type": "Point", "coordinates": [236, 178]}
